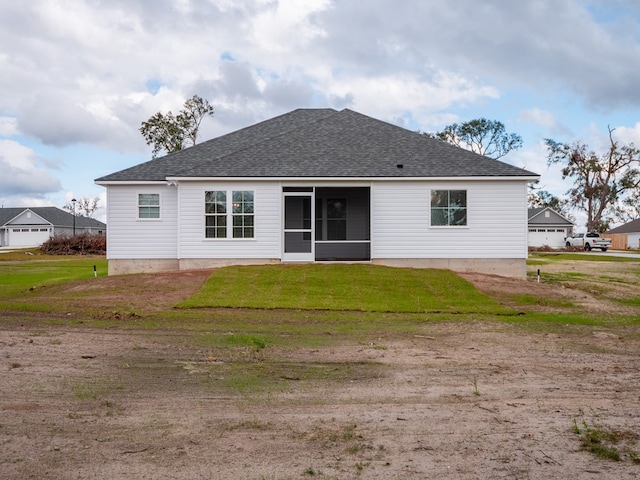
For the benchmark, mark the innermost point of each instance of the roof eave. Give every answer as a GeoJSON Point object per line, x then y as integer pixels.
{"type": "Point", "coordinates": [354, 178]}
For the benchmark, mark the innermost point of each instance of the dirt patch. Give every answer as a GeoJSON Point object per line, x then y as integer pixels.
{"type": "Point", "coordinates": [461, 400]}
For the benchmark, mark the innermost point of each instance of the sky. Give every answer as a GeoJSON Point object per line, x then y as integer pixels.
{"type": "Point", "coordinates": [78, 77]}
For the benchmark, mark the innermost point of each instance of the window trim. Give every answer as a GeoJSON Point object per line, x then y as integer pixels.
{"type": "Point", "coordinates": [216, 215]}
{"type": "Point", "coordinates": [466, 207]}
{"type": "Point", "coordinates": [159, 206]}
{"type": "Point", "coordinates": [230, 215]}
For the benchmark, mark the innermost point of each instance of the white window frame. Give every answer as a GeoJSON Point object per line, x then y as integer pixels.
{"type": "Point", "coordinates": [216, 215]}
{"type": "Point", "coordinates": [232, 214]}
{"type": "Point", "coordinates": [158, 206]}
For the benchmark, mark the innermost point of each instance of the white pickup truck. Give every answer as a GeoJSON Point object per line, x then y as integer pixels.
{"type": "Point", "coordinates": [588, 241]}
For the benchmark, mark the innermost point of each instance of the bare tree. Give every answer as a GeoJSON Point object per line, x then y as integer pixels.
{"type": "Point", "coordinates": [85, 206]}
{"type": "Point", "coordinates": [600, 181]}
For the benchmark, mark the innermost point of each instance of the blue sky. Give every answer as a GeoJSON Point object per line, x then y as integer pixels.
{"type": "Point", "coordinates": [79, 76]}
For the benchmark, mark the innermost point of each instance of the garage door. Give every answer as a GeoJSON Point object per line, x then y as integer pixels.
{"type": "Point", "coordinates": [551, 237]}
{"type": "Point", "coordinates": [27, 237]}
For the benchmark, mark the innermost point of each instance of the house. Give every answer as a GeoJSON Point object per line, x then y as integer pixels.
{"type": "Point", "coordinates": [319, 185]}
{"type": "Point", "coordinates": [548, 228]}
{"type": "Point", "coordinates": [32, 226]}
{"type": "Point", "coordinates": [625, 236]}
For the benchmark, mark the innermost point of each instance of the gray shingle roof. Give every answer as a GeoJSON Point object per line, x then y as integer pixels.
{"type": "Point", "coordinates": [320, 143]}
{"type": "Point", "coordinates": [53, 215]}
{"type": "Point", "coordinates": [556, 218]}
{"type": "Point", "coordinates": [631, 227]}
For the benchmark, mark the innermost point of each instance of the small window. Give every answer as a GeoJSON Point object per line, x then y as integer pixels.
{"type": "Point", "coordinates": [448, 208]}
{"type": "Point", "coordinates": [243, 214]}
{"type": "Point", "coordinates": [215, 207]}
{"type": "Point", "coordinates": [149, 205]}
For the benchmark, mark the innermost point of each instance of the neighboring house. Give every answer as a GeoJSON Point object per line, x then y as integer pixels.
{"type": "Point", "coordinates": [30, 227]}
{"type": "Point", "coordinates": [548, 228]}
{"type": "Point", "coordinates": [625, 236]}
{"type": "Point", "coordinates": [318, 185]}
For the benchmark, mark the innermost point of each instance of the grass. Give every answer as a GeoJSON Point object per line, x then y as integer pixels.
{"type": "Point", "coordinates": [293, 305]}
{"type": "Point", "coordinates": [528, 299]}
{"type": "Point", "coordinates": [23, 279]}
{"type": "Point", "coordinates": [542, 258]}
{"type": "Point", "coordinates": [342, 288]}
{"type": "Point", "coordinates": [606, 443]}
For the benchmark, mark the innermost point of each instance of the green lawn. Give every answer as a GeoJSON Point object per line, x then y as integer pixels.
{"type": "Point", "coordinates": [17, 278]}
{"type": "Point", "coordinates": [342, 287]}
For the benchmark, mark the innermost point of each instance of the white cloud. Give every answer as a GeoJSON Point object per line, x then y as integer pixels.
{"type": "Point", "coordinates": [81, 72]}
{"type": "Point", "coordinates": [628, 135]}
{"type": "Point", "coordinates": [21, 174]}
{"type": "Point", "coordinates": [8, 126]}
{"type": "Point", "coordinates": [287, 25]}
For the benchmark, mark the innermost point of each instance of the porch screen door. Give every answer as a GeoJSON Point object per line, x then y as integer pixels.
{"type": "Point", "coordinates": [298, 228]}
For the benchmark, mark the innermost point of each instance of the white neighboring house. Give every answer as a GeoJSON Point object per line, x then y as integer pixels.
{"type": "Point", "coordinates": [319, 185]}
{"type": "Point", "coordinates": [30, 227]}
{"type": "Point", "coordinates": [548, 228]}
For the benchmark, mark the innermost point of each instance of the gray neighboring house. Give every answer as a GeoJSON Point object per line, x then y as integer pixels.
{"type": "Point", "coordinates": [319, 185]}
{"type": "Point", "coordinates": [31, 226]}
{"type": "Point", "coordinates": [626, 236]}
{"type": "Point", "coordinates": [548, 228]}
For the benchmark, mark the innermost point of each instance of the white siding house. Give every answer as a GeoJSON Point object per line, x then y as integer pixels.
{"type": "Point", "coordinates": [548, 228]}
{"type": "Point", "coordinates": [23, 227]}
{"type": "Point", "coordinates": [319, 185]}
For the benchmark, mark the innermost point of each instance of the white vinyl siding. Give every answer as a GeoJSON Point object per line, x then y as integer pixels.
{"type": "Point", "coordinates": [132, 237]}
{"type": "Point", "coordinates": [496, 221]}
{"type": "Point", "coordinates": [267, 228]}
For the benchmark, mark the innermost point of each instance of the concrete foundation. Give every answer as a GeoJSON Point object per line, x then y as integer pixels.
{"type": "Point", "coordinates": [200, 263]}
{"type": "Point", "coordinates": [506, 267]}
{"type": "Point", "coordinates": [154, 265]}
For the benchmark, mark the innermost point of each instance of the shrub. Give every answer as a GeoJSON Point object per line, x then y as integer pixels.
{"type": "Point", "coordinates": [82, 244]}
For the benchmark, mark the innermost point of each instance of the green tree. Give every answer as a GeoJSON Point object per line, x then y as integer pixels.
{"type": "Point", "coordinates": [600, 181]}
{"type": "Point", "coordinates": [169, 133]}
{"type": "Point", "coordinates": [486, 137]}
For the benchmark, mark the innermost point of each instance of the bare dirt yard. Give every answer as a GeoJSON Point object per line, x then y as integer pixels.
{"type": "Point", "coordinates": [467, 398]}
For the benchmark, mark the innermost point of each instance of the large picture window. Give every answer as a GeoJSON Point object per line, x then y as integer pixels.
{"type": "Point", "coordinates": [448, 208]}
{"type": "Point", "coordinates": [217, 213]}
{"type": "Point", "coordinates": [148, 205]}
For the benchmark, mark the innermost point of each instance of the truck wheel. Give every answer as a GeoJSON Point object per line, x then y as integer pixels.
{"type": "Point", "coordinates": [587, 247]}
{"type": "Point", "coordinates": [568, 244]}
{"type": "Point", "coordinates": [603, 249]}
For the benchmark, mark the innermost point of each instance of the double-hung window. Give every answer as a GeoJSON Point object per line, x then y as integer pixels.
{"type": "Point", "coordinates": [215, 208]}
{"type": "Point", "coordinates": [219, 215]}
{"type": "Point", "coordinates": [448, 208]}
{"type": "Point", "coordinates": [242, 214]}
{"type": "Point", "coordinates": [148, 205]}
